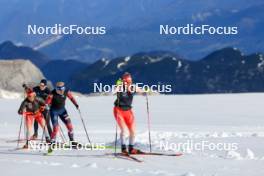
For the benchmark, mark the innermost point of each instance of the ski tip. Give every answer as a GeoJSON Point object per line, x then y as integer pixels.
{"type": "Point", "coordinates": [178, 154]}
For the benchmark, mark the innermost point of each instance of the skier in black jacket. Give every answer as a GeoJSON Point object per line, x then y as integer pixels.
{"type": "Point", "coordinates": [42, 92]}
{"type": "Point", "coordinates": [57, 100]}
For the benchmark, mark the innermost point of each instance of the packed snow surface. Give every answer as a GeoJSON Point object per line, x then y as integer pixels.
{"type": "Point", "coordinates": [230, 119]}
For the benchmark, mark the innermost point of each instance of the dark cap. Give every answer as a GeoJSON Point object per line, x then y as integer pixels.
{"type": "Point", "coordinates": [44, 81]}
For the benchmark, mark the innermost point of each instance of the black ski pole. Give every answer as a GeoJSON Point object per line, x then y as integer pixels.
{"type": "Point", "coordinates": [63, 137]}
{"type": "Point", "coordinates": [84, 127]}
{"type": "Point", "coordinates": [25, 130]}
{"type": "Point", "coordinates": [22, 121]}
{"type": "Point", "coordinates": [42, 137]}
{"type": "Point", "coordinates": [115, 138]}
{"type": "Point", "coordinates": [19, 132]}
{"type": "Point", "coordinates": [147, 101]}
{"type": "Point", "coordinates": [45, 126]}
{"type": "Point", "coordinates": [118, 83]}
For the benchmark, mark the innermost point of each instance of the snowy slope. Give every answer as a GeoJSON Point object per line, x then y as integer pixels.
{"type": "Point", "coordinates": [231, 118]}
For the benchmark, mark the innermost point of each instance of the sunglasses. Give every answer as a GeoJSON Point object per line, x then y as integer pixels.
{"type": "Point", "coordinates": [60, 88]}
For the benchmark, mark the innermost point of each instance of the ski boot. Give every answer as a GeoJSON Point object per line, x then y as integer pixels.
{"type": "Point", "coordinates": [26, 146]}
{"type": "Point", "coordinates": [52, 146]}
{"type": "Point", "coordinates": [124, 150]}
{"type": "Point", "coordinates": [34, 137]}
{"type": "Point", "coordinates": [52, 143]}
{"type": "Point", "coordinates": [133, 151]}
{"type": "Point", "coordinates": [48, 141]}
{"type": "Point", "coordinates": [74, 144]}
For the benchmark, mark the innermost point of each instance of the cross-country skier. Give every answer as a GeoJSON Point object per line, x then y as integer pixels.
{"type": "Point", "coordinates": [42, 91]}
{"type": "Point", "coordinates": [123, 112]}
{"type": "Point", "coordinates": [57, 100]}
{"type": "Point", "coordinates": [31, 108]}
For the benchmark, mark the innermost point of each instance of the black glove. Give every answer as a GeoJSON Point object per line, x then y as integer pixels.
{"type": "Point", "coordinates": [20, 112]}
{"type": "Point", "coordinates": [77, 106]}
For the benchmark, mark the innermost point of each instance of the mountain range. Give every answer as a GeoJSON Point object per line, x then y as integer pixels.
{"type": "Point", "coordinates": [9, 50]}
{"type": "Point", "coordinates": [132, 26]}
{"type": "Point", "coordinates": [223, 71]}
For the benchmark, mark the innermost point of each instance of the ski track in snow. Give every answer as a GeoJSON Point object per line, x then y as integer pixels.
{"type": "Point", "coordinates": [229, 155]}
{"type": "Point", "coordinates": [121, 170]}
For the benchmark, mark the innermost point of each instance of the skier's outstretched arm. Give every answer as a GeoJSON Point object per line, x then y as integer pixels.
{"type": "Point", "coordinates": [70, 96]}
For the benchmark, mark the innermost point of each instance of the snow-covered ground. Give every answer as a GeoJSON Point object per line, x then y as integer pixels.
{"type": "Point", "coordinates": [230, 119]}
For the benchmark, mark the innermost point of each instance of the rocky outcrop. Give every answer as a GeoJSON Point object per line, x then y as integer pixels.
{"type": "Point", "coordinates": [16, 72]}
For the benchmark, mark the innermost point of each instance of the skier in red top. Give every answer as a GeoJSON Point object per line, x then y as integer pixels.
{"type": "Point", "coordinates": [56, 100]}
{"type": "Point", "coordinates": [31, 108]}
{"type": "Point", "coordinates": [123, 112]}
